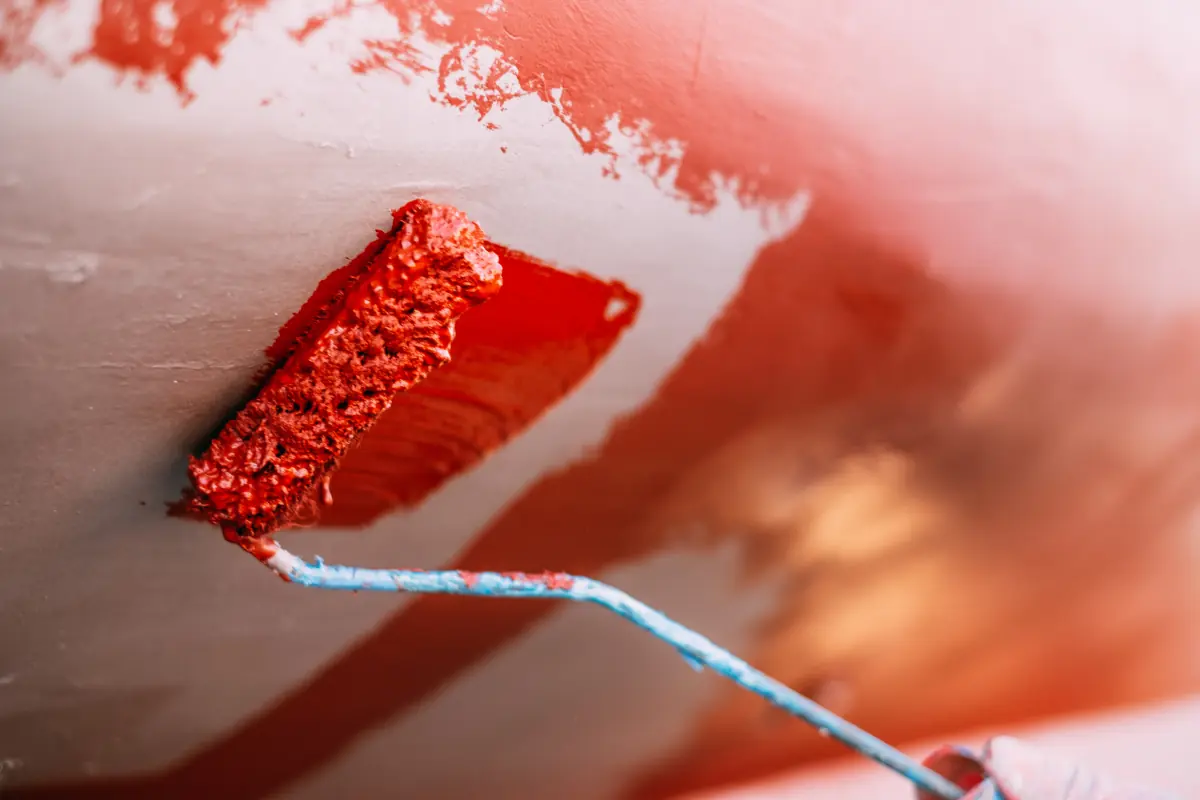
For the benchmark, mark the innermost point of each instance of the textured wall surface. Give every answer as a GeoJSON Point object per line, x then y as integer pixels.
{"type": "Point", "coordinates": [913, 374]}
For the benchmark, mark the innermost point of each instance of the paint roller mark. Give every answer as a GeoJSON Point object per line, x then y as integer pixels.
{"type": "Point", "coordinates": [512, 358]}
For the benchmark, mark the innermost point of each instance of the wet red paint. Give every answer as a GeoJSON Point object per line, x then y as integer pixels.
{"type": "Point", "coordinates": [512, 359]}
{"type": "Point", "coordinates": [374, 328]}
{"type": "Point", "coordinates": [17, 21]}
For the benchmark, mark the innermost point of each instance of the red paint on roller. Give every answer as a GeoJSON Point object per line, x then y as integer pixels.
{"type": "Point", "coordinates": [512, 359]}
{"type": "Point", "coordinates": [376, 327]}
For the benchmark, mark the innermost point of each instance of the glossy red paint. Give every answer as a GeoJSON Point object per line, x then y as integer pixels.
{"type": "Point", "coordinates": [512, 359]}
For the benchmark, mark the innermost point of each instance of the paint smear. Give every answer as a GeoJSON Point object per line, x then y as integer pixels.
{"type": "Point", "coordinates": [512, 358]}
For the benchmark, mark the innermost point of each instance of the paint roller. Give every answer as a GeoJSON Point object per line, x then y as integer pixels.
{"type": "Point", "coordinates": [379, 333]}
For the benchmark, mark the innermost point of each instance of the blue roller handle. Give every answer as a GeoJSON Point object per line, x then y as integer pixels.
{"type": "Point", "coordinates": [695, 649]}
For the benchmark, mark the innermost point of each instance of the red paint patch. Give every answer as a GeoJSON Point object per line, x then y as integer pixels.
{"type": "Point", "coordinates": [471, 579]}
{"type": "Point", "coordinates": [136, 36]}
{"type": "Point", "coordinates": [512, 358]}
{"type": "Point", "coordinates": [17, 21]}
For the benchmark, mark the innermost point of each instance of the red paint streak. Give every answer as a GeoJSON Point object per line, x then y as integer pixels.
{"type": "Point", "coordinates": [596, 60]}
{"type": "Point", "coordinates": [310, 26]}
{"type": "Point", "coordinates": [471, 579]}
{"type": "Point", "coordinates": [512, 359]}
{"type": "Point", "coordinates": [375, 327]}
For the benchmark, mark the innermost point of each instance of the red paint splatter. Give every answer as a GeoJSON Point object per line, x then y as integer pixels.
{"type": "Point", "coordinates": [596, 62]}
{"type": "Point", "coordinates": [153, 37]}
{"type": "Point", "coordinates": [18, 18]}
{"type": "Point", "coordinates": [311, 26]}
{"type": "Point", "coordinates": [396, 56]}
{"type": "Point", "coordinates": [551, 580]}
{"type": "Point", "coordinates": [593, 62]}
{"type": "Point", "coordinates": [512, 359]}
